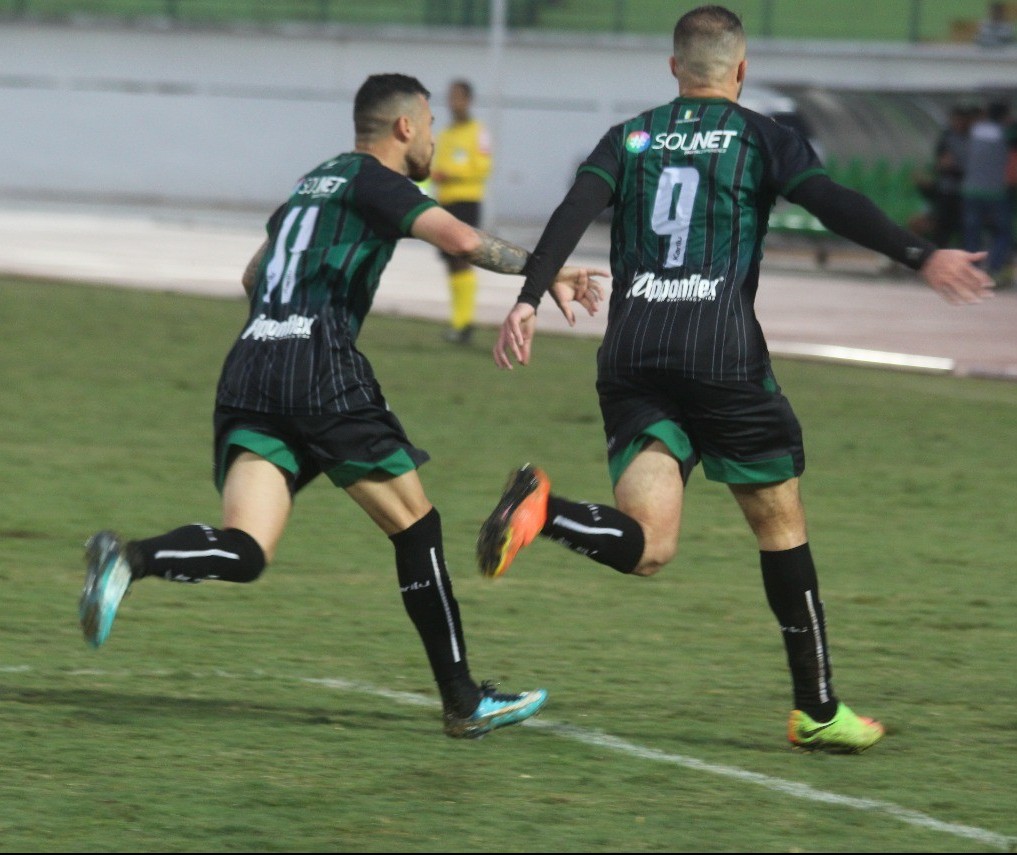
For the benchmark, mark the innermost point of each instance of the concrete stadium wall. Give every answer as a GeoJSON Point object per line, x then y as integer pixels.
{"type": "Point", "coordinates": [231, 118]}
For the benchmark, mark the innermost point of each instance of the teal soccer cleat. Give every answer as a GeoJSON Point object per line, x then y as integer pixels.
{"type": "Point", "coordinates": [107, 578]}
{"type": "Point", "coordinates": [494, 710]}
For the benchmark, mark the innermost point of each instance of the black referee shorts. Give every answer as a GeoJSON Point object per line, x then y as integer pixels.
{"type": "Point", "coordinates": [743, 432]}
{"type": "Point", "coordinates": [344, 446]}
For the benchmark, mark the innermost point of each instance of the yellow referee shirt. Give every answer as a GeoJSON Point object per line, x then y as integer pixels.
{"type": "Point", "coordinates": [462, 162]}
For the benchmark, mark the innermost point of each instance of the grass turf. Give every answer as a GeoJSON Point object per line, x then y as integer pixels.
{"type": "Point", "coordinates": [298, 714]}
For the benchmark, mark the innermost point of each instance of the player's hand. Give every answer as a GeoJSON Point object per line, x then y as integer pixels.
{"type": "Point", "coordinates": [577, 285]}
{"type": "Point", "coordinates": [955, 276]}
{"type": "Point", "coordinates": [516, 336]}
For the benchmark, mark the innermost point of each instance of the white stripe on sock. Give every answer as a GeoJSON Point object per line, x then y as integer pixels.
{"type": "Point", "coordinates": [196, 553]}
{"type": "Point", "coordinates": [824, 694]}
{"type": "Point", "coordinates": [572, 525]}
{"type": "Point", "coordinates": [456, 656]}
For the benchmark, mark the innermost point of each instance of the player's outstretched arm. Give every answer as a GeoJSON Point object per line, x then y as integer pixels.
{"type": "Point", "coordinates": [516, 336]}
{"type": "Point", "coordinates": [451, 235]}
{"type": "Point", "coordinates": [577, 285]}
{"type": "Point", "coordinates": [571, 285]}
{"type": "Point", "coordinates": [952, 273]}
{"type": "Point", "coordinates": [955, 276]}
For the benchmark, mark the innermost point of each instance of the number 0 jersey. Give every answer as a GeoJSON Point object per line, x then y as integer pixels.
{"type": "Point", "coordinates": [327, 247]}
{"type": "Point", "coordinates": [693, 182]}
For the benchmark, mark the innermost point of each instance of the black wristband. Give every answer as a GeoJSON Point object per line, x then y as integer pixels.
{"type": "Point", "coordinates": [529, 297]}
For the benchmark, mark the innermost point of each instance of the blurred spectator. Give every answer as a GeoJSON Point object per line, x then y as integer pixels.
{"type": "Point", "coordinates": [948, 172]}
{"type": "Point", "coordinates": [995, 30]}
{"type": "Point", "coordinates": [986, 199]}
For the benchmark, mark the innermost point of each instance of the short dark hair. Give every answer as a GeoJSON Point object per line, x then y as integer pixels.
{"type": "Point", "coordinates": [373, 101]}
{"type": "Point", "coordinates": [706, 40]}
{"type": "Point", "coordinates": [706, 20]}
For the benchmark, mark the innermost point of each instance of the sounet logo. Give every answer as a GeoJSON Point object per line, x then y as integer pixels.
{"type": "Point", "coordinates": [695, 142]}
{"type": "Point", "coordinates": [686, 141]}
{"type": "Point", "coordinates": [691, 289]}
{"type": "Point", "coordinates": [319, 185]}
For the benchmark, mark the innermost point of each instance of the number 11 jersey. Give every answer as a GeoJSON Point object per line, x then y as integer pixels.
{"type": "Point", "coordinates": [327, 248]}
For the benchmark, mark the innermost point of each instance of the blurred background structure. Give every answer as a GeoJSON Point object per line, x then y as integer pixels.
{"type": "Point", "coordinates": [216, 102]}
{"type": "Point", "coordinates": [912, 21]}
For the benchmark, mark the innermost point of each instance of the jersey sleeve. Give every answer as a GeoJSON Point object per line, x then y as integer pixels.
{"type": "Point", "coordinates": [388, 202]}
{"type": "Point", "coordinates": [605, 160]}
{"type": "Point", "coordinates": [789, 157]}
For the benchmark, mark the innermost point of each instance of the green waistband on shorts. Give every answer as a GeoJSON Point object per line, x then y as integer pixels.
{"type": "Point", "coordinates": [673, 437]}
{"type": "Point", "coordinates": [349, 472]}
{"type": "Point", "coordinates": [751, 472]}
{"type": "Point", "coordinates": [273, 450]}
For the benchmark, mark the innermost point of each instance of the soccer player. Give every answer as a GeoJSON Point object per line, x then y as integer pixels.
{"type": "Point", "coordinates": [462, 163]}
{"type": "Point", "coordinates": [683, 371]}
{"type": "Point", "coordinates": [296, 398]}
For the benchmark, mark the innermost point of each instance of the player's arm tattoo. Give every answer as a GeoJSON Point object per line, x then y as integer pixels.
{"type": "Point", "coordinates": [498, 255]}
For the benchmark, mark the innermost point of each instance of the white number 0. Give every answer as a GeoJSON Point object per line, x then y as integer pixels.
{"type": "Point", "coordinates": [672, 210]}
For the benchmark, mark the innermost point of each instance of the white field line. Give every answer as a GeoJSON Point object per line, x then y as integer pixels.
{"type": "Point", "coordinates": [779, 785]}
{"type": "Point", "coordinates": [605, 741]}
{"type": "Point", "coordinates": [862, 356]}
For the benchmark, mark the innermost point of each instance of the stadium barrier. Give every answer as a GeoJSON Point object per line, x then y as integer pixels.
{"type": "Point", "coordinates": [905, 21]}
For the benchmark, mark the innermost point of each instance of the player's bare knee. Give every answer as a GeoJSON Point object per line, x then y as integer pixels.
{"type": "Point", "coordinates": [656, 556]}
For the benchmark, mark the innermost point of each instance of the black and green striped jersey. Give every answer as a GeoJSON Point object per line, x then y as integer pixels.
{"type": "Point", "coordinates": [693, 182]}
{"type": "Point", "coordinates": [327, 247]}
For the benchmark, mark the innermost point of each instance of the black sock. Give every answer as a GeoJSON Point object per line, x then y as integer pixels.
{"type": "Point", "coordinates": [198, 552]}
{"type": "Point", "coordinates": [599, 532]}
{"type": "Point", "coordinates": [427, 596]}
{"type": "Point", "coordinates": [792, 590]}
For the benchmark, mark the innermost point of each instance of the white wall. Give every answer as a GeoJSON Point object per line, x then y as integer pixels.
{"type": "Point", "coordinates": [234, 117]}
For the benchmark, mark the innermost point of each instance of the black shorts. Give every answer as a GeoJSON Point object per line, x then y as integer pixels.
{"type": "Point", "coordinates": [344, 446]}
{"type": "Point", "coordinates": [469, 213]}
{"type": "Point", "coordinates": [743, 432]}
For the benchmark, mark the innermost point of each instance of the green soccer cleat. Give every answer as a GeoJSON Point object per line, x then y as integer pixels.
{"type": "Point", "coordinates": [494, 710]}
{"type": "Point", "coordinates": [845, 733]}
{"type": "Point", "coordinates": [107, 578]}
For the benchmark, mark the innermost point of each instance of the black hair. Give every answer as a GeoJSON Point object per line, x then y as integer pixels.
{"type": "Point", "coordinates": [375, 94]}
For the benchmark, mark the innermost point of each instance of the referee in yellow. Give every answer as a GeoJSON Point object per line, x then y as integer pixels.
{"type": "Point", "coordinates": [462, 162]}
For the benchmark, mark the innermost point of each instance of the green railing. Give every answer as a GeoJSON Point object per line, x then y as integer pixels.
{"type": "Point", "coordinates": [882, 20]}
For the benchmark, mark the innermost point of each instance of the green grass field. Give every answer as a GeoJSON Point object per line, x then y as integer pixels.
{"type": "Point", "coordinates": [885, 20]}
{"type": "Point", "coordinates": [298, 714]}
